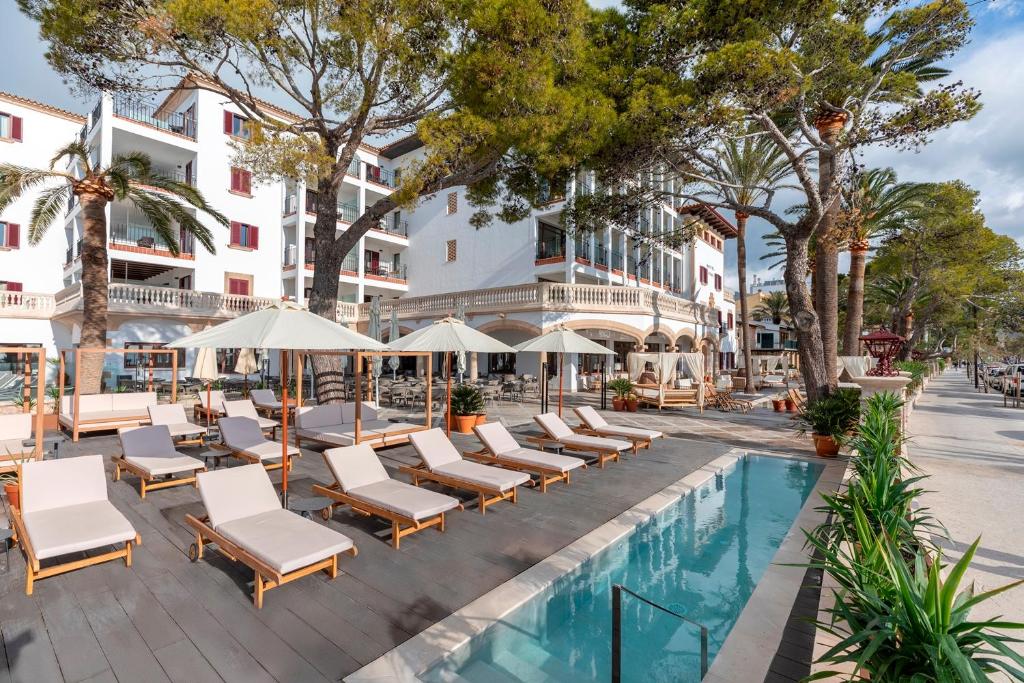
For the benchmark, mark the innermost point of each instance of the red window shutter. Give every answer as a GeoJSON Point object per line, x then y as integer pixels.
{"type": "Point", "coordinates": [16, 128]}
{"type": "Point", "coordinates": [14, 287]}
{"type": "Point", "coordinates": [13, 235]}
{"type": "Point", "coordinates": [236, 183]}
{"type": "Point", "coordinates": [719, 316]}
{"type": "Point", "coordinates": [718, 282]}
{"type": "Point", "coordinates": [238, 286]}
{"type": "Point", "coordinates": [730, 320]}
{"type": "Point", "coordinates": [246, 181]}
{"type": "Point", "coordinates": [228, 121]}
{"type": "Point", "coordinates": [254, 237]}
{"type": "Point", "coordinates": [236, 232]}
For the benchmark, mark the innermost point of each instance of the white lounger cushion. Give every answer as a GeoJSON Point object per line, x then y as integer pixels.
{"type": "Point", "coordinates": [497, 439]}
{"type": "Point", "coordinates": [152, 449]}
{"type": "Point", "coordinates": [245, 408]}
{"type": "Point", "coordinates": [530, 456]}
{"type": "Point", "coordinates": [14, 430]}
{"type": "Point", "coordinates": [285, 540]}
{"type": "Point", "coordinates": [355, 466]}
{"type": "Point", "coordinates": [595, 421]}
{"type": "Point", "coordinates": [595, 442]}
{"type": "Point", "coordinates": [434, 448]}
{"type": "Point", "coordinates": [244, 434]}
{"type": "Point", "coordinates": [65, 508]}
{"type": "Point", "coordinates": [236, 493]}
{"type": "Point", "coordinates": [264, 398]}
{"type": "Point", "coordinates": [483, 475]}
{"type": "Point", "coordinates": [553, 425]}
{"type": "Point", "coordinates": [216, 400]}
{"type": "Point", "coordinates": [173, 416]}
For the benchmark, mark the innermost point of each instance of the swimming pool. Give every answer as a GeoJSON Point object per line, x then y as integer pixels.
{"type": "Point", "coordinates": [701, 557]}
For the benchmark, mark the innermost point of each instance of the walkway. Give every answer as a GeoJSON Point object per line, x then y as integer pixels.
{"type": "Point", "coordinates": [973, 448]}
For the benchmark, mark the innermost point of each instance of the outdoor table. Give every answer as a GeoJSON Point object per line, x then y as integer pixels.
{"type": "Point", "coordinates": [51, 443]}
{"type": "Point", "coordinates": [544, 443]}
{"type": "Point", "coordinates": [307, 506]}
{"type": "Point", "coordinates": [215, 456]}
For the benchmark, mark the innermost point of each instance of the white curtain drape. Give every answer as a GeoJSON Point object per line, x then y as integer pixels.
{"type": "Point", "coordinates": [664, 364]}
{"type": "Point", "coordinates": [694, 363]}
{"type": "Point", "coordinates": [854, 366]}
{"type": "Point", "coordinates": [636, 362]}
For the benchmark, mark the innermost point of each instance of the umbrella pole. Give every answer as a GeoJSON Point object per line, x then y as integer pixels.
{"type": "Point", "coordinates": [209, 384]}
{"type": "Point", "coordinates": [448, 371]}
{"type": "Point", "coordinates": [284, 428]}
{"type": "Point", "coordinates": [561, 374]}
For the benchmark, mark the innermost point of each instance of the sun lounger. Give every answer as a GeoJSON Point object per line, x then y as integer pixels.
{"type": "Point", "coordinates": [266, 402]}
{"type": "Point", "coordinates": [64, 511]}
{"type": "Point", "coordinates": [602, 448]}
{"type": "Point", "coordinates": [245, 408]}
{"type": "Point", "coordinates": [243, 437]}
{"type": "Point", "coordinates": [99, 412]}
{"type": "Point", "coordinates": [15, 429]}
{"type": "Point", "coordinates": [444, 464]}
{"type": "Point", "coordinates": [335, 424]}
{"type": "Point", "coordinates": [596, 425]}
{"type": "Point", "coordinates": [246, 521]}
{"type": "Point", "coordinates": [216, 405]}
{"type": "Point", "coordinates": [501, 448]}
{"type": "Point", "coordinates": [723, 400]}
{"type": "Point", "coordinates": [361, 482]}
{"type": "Point", "coordinates": [148, 453]}
{"type": "Point", "coordinates": [172, 415]}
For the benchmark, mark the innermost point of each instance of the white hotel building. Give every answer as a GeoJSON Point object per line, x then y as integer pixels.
{"type": "Point", "coordinates": [513, 281]}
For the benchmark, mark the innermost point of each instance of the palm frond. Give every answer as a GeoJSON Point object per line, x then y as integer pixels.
{"type": "Point", "coordinates": [76, 150]}
{"type": "Point", "coordinates": [152, 206]}
{"type": "Point", "coordinates": [135, 164]}
{"type": "Point", "coordinates": [168, 217]}
{"type": "Point", "coordinates": [17, 180]}
{"type": "Point", "coordinates": [48, 208]}
{"type": "Point", "coordinates": [184, 192]}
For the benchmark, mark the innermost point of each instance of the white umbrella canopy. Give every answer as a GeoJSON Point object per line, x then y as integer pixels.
{"type": "Point", "coordinates": [246, 364]}
{"type": "Point", "coordinates": [562, 341]}
{"type": "Point", "coordinates": [205, 365]}
{"type": "Point", "coordinates": [282, 325]}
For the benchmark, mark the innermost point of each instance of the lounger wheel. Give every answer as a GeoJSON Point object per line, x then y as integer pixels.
{"type": "Point", "coordinates": [326, 513]}
{"type": "Point", "coordinates": [193, 552]}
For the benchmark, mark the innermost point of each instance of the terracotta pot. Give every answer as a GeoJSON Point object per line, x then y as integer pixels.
{"type": "Point", "coordinates": [632, 404]}
{"type": "Point", "coordinates": [825, 446]}
{"type": "Point", "coordinates": [791, 405]}
{"type": "Point", "coordinates": [480, 418]}
{"type": "Point", "coordinates": [618, 404]}
{"type": "Point", "coordinates": [778, 404]}
{"type": "Point", "coordinates": [464, 423]}
{"type": "Point", "coordinates": [50, 422]}
{"type": "Point", "coordinates": [13, 492]}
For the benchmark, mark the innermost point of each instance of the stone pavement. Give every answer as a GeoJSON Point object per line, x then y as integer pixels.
{"type": "Point", "coordinates": [973, 449]}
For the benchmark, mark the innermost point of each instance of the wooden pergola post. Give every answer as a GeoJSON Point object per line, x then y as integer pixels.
{"type": "Point", "coordinates": [37, 422]}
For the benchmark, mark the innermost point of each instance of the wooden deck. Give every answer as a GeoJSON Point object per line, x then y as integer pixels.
{"type": "Point", "coordinates": [169, 619]}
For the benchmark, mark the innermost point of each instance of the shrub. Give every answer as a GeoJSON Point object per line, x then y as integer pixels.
{"type": "Point", "coordinates": [918, 371]}
{"type": "Point", "coordinates": [621, 386]}
{"type": "Point", "coordinates": [834, 415]}
{"type": "Point", "coordinates": [467, 400]}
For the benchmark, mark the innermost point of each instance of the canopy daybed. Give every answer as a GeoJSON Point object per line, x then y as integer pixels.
{"type": "Point", "coordinates": [662, 393]}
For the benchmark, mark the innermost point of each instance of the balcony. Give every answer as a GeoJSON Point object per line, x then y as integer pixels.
{"type": "Point", "coordinates": [176, 174]}
{"type": "Point", "coordinates": [26, 305]}
{"type": "Point", "coordinates": [550, 250]}
{"type": "Point", "coordinates": [393, 225]}
{"type": "Point", "coordinates": [73, 252]}
{"type": "Point", "coordinates": [290, 257]}
{"type": "Point", "coordinates": [145, 300]}
{"type": "Point", "coordinates": [617, 260]}
{"type": "Point", "coordinates": [348, 212]}
{"type": "Point", "coordinates": [177, 123]}
{"type": "Point", "coordinates": [381, 176]}
{"type": "Point", "coordinates": [385, 271]}
{"type": "Point", "coordinates": [144, 239]}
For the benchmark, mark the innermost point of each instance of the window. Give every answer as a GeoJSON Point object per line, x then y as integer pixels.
{"type": "Point", "coordinates": [453, 202]}
{"type": "Point", "coordinates": [161, 361]}
{"type": "Point", "coordinates": [9, 286]}
{"type": "Point", "coordinates": [245, 235]}
{"type": "Point", "coordinates": [10, 235]}
{"type": "Point", "coordinates": [451, 251]}
{"type": "Point", "coordinates": [239, 285]}
{"type": "Point", "coordinates": [10, 127]}
{"type": "Point", "coordinates": [731, 321]}
{"type": "Point", "coordinates": [718, 283]}
{"type": "Point", "coordinates": [236, 126]}
{"type": "Point", "coordinates": [719, 312]}
{"type": "Point", "coordinates": [703, 275]}
{"type": "Point", "coordinates": [241, 181]}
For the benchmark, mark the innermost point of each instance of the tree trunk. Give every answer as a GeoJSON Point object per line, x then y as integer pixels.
{"type": "Point", "coordinates": [94, 290]}
{"type": "Point", "coordinates": [826, 255]}
{"type": "Point", "coordinates": [818, 381]}
{"type": "Point", "coordinates": [855, 302]}
{"type": "Point", "coordinates": [741, 268]}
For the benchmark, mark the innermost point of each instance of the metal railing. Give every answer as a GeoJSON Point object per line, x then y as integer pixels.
{"type": "Point", "coordinates": [290, 257]}
{"type": "Point", "coordinates": [73, 252]}
{"type": "Point", "coordinates": [617, 591]}
{"type": "Point", "coordinates": [600, 256]}
{"type": "Point", "coordinates": [347, 211]}
{"type": "Point", "coordinates": [550, 249]}
{"type": "Point", "coordinates": [381, 176]}
{"type": "Point", "coordinates": [176, 174]}
{"type": "Point", "coordinates": [97, 112]}
{"type": "Point", "coordinates": [146, 237]}
{"type": "Point", "coordinates": [144, 112]}
{"type": "Point", "coordinates": [386, 270]}
{"type": "Point", "coordinates": [393, 223]}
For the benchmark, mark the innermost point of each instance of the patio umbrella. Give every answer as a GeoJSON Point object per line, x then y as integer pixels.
{"type": "Point", "coordinates": [285, 326]}
{"type": "Point", "coordinates": [562, 341]}
{"type": "Point", "coordinates": [205, 368]}
{"type": "Point", "coordinates": [374, 332]}
{"type": "Point", "coordinates": [460, 357]}
{"type": "Point", "coordinates": [246, 364]}
{"type": "Point", "coordinates": [394, 361]}
{"type": "Point", "coordinates": [447, 336]}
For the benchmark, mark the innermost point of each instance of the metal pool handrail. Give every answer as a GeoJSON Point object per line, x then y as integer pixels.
{"type": "Point", "coordinates": [617, 590]}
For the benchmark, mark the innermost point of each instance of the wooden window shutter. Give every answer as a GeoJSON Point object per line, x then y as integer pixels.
{"type": "Point", "coordinates": [236, 183]}
{"type": "Point", "coordinates": [451, 251]}
{"type": "Point", "coordinates": [731, 321]}
{"type": "Point", "coordinates": [246, 178]}
{"type": "Point", "coordinates": [228, 122]}
{"type": "Point", "coordinates": [13, 235]}
{"type": "Point", "coordinates": [453, 203]}
{"type": "Point", "coordinates": [254, 236]}
{"type": "Point", "coordinates": [14, 287]}
{"type": "Point", "coordinates": [236, 232]}
{"type": "Point", "coordinates": [16, 128]}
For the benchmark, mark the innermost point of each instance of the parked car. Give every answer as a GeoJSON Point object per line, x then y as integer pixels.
{"type": "Point", "coordinates": [994, 376]}
{"type": "Point", "coordinates": [1012, 372]}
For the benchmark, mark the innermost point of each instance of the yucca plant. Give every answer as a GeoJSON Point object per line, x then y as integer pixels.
{"type": "Point", "coordinates": [130, 177]}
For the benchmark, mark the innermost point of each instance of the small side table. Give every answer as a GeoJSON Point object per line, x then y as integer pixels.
{"type": "Point", "coordinates": [307, 506]}
{"type": "Point", "coordinates": [5, 536]}
{"type": "Point", "coordinates": [51, 443]}
{"type": "Point", "coordinates": [215, 456]}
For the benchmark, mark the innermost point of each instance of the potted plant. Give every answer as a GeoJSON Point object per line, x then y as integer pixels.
{"type": "Point", "coordinates": [632, 402]}
{"type": "Point", "coordinates": [467, 403]}
{"type": "Point", "coordinates": [779, 403]}
{"type": "Point", "coordinates": [622, 388]}
{"type": "Point", "coordinates": [790, 404]}
{"type": "Point", "coordinates": [829, 419]}
{"type": "Point", "coordinates": [50, 418]}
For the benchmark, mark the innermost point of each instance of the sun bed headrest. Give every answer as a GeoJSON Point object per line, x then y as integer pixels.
{"type": "Point", "coordinates": [265, 396]}
{"type": "Point", "coordinates": [553, 425]}
{"type": "Point", "coordinates": [236, 493]}
{"type": "Point", "coordinates": [355, 466]}
{"type": "Point", "coordinates": [147, 442]}
{"type": "Point", "coordinates": [240, 432]}
{"type": "Point", "coordinates": [496, 437]}
{"type": "Point", "coordinates": [49, 484]}
{"type": "Point", "coordinates": [368, 412]}
{"type": "Point", "coordinates": [16, 426]}
{"type": "Point", "coordinates": [591, 417]}
{"type": "Point", "coordinates": [216, 399]}
{"type": "Point", "coordinates": [326, 415]}
{"type": "Point", "coordinates": [241, 408]}
{"type": "Point", "coordinates": [434, 448]}
{"type": "Point", "coordinates": [168, 414]}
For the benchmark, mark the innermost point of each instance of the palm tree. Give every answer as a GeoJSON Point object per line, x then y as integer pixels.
{"type": "Point", "coordinates": [774, 307]}
{"type": "Point", "coordinates": [875, 204]}
{"type": "Point", "coordinates": [129, 177]}
{"type": "Point", "coordinates": [745, 170]}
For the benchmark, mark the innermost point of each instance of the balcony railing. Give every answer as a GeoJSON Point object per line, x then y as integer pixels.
{"type": "Point", "coordinates": [601, 256]}
{"type": "Point", "coordinates": [381, 176]}
{"type": "Point", "coordinates": [347, 211]}
{"type": "Point", "coordinates": [147, 300]}
{"type": "Point", "coordinates": [179, 123]}
{"type": "Point", "coordinates": [393, 224]}
{"type": "Point", "coordinates": [97, 112]}
{"type": "Point", "coordinates": [617, 260]}
{"type": "Point", "coordinates": [550, 249]}
{"type": "Point", "coordinates": [290, 256]}
{"type": "Point", "coordinates": [73, 252]}
{"type": "Point", "coordinates": [26, 305]}
{"type": "Point", "coordinates": [386, 270]}
{"type": "Point", "coordinates": [146, 237]}
{"type": "Point", "coordinates": [177, 174]}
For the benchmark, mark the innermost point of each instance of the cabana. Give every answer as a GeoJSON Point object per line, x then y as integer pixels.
{"type": "Point", "coordinates": [98, 412]}
{"type": "Point", "coordinates": [661, 393]}
{"type": "Point", "coordinates": [18, 428]}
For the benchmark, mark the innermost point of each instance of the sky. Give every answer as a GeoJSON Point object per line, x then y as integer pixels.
{"type": "Point", "coordinates": [986, 152]}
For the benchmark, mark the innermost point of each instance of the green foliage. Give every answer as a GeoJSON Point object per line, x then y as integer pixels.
{"type": "Point", "coordinates": [20, 401]}
{"type": "Point", "coordinates": [467, 400]}
{"type": "Point", "coordinates": [918, 371]}
{"type": "Point", "coordinates": [774, 306]}
{"type": "Point", "coordinates": [834, 415]}
{"type": "Point", "coordinates": [621, 387]}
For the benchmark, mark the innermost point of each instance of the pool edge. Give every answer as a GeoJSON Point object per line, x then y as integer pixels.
{"type": "Point", "coordinates": [424, 650]}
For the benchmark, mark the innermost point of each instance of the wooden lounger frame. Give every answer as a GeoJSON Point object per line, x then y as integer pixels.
{"type": "Point", "coordinates": [487, 494]}
{"type": "Point", "coordinates": [266, 577]}
{"type": "Point", "coordinates": [637, 441]}
{"type": "Point", "coordinates": [545, 475]}
{"type": "Point", "coordinates": [122, 463]}
{"type": "Point", "coordinates": [199, 414]}
{"type": "Point", "coordinates": [368, 509]}
{"type": "Point", "coordinates": [78, 426]}
{"type": "Point", "coordinates": [198, 440]}
{"type": "Point", "coordinates": [251, 459]}
{"type": "Point", "coordinates": [600, 455]}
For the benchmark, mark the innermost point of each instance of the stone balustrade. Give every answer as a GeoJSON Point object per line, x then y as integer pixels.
{"type": "Point", "coordinates": [161, 301]}
{"type": "Point", "coordinates": [26, 305]}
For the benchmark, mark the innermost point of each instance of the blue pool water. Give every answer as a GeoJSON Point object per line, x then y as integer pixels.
{"type": "Point", "coordinates": [701, 557]}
